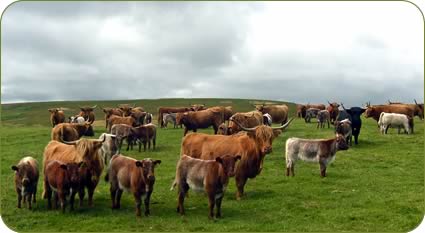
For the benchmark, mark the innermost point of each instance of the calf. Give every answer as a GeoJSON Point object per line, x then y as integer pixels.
{"type": "Point", "coordinates": [169, 118]}
{"type": "Point", "coordinates": [113, 120]}
{"type": "Point", "coordinates": [62, 179]}
{"type": "Point", "coordinates": [322, 117]}
{"type": "Point", "coordinates": [135, 176]}
{"type": "Point", "coordinates": [395, 120]}
{"type": "Point", "coordinates": [344, 128]}
{"type": "Point", "coordinates": [121, 132]}
{"type": "Point", "coordinates": [267, 119]}
{"type": "Point", "coordinates": [143, 134]}
{"type": "Point", "coordinates": [26, 179]}
{"type": "Point", "coordinates": [310, 113]}
{"type": "Point", "coordinates": [211, 176]}
{"type": "Point", "coordinates": [313, 150]}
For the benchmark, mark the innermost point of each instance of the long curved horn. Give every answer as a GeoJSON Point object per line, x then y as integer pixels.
{"type": "Point", "coordinates": [243, 128]}
{"type": "Point", "coordinates": [70, 143]}
{"type": "Point", "coordinates": [94, 107]}
{"type": "Point", "coordinates": [329, 102]}
{"type": "Point", "coordinates": [285, 125]}
{"type": "Point", "coordinates": [102, 140]}
{"type": "Point", "coordinates": [343, 106]}
{"type": "Point", "coordinates": [415, 101]}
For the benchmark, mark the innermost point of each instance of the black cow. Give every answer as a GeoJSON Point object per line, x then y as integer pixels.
{"type": "Point", "coordinates": [356, 121]}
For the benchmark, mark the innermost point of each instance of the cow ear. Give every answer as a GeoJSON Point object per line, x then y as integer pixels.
{"type": "Point", "coordinates": [219, 160]}
{"type": "Point", "coordinates": [63, 166]}
{"type": "Point", "coordinates": [277, 132]}
{"type": "Point", "coordinates": [155, 162]}
{"type": "Point", "coordinates": [15, 168]}
{"type": "Point", "coordinates": [139, 163]}
{"type": "Point", "coordinates": [238, 157]}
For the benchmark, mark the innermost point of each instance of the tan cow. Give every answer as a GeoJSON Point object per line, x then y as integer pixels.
{"type": "Point", "coordinates": [69, 131]}
{"type": "Point", "coordinates": [252, 146]}
{"type": "Point", "coordinates": [211, 176]}
{"type": "Point", "coordinates": [279, 113]}
{"type": "Point", "coordinates": [86, 150]}
{"type": "Point", "coordinates": [135, 176]}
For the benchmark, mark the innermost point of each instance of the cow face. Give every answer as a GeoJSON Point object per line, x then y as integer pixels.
{"type": "Point", "coordinates": [356, 112]}
{"type": "Point", "coordinates": [73, 171]}
{"type": "Point", "coordinates": [370, 111]}
{"type": "Point", "coordinates": [263, 135]}
{"type": "Point", "coordinates": [229, 164]}
{"type": "Point", "coordinates": [341, 144]}
{"type": "Point", "coordinates": [148, 167]}
{"type": "Point", "coordinates": [53, 111]}
{"type": "Point", "coordinates": [222, 129]}
{"type": "Point", "coordinates": [22, 173]}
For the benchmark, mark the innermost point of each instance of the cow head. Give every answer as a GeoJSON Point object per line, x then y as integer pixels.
{"type": "Point", "coordinates": [259, 107]}
{"type": "Point", "coordinates": [87, 148]}
{"type": "Point", "coordinates": [126, 109]}
{"type": "Point", "coordinates": [23, 172]}
{"type": "Point", "coordinates": [341, 144]}
{"type": "Point", "coordinates": [222, 129]}
{"type": "Point", "coordinates": [370, 111]}
{"type": "Point", "coordinates": [148, 167]}
{"type": "Point", "coordinates": [419, 108]}
{"type": "Point", "coordinates": [228, 162]}
{"type": "Point", "coordinates": [86, 111]}
{"type": "Point", "coordinates": [197, 107]}
{"type": "Point", "coordinates": [263, 135]}
{"type": "Point", "coordinates": [53, 111]}
{"type": "Point", "coordinates": [73, 171]}
{"type": "Point", "coordinates": [355, 112]}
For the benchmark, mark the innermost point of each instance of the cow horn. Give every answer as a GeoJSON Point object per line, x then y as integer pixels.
{"type": "Point", "coordinates": [71, 142]}
{"type": "Point", "coordinates": [329, 102]}
{"type": "Point", "coordinates": [94, 107]}
{"type": "Point", "coordinates": [285, 125]}
{"type": "Point", "coordinates": [102, 140]}
{"type": "Point", "coordinates": [342, 105]}
{"type": "Point", "coordinates": [415, 101]}
{"type": "Point", "coordinates": [243, 128]}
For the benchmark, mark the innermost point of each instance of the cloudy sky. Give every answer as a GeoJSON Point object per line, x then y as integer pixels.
{"type": "Point", "coordinates": [300, 52]}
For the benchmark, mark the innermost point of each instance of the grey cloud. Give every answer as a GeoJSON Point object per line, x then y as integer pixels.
{"type": "Point", "coordinates": [56, 51]}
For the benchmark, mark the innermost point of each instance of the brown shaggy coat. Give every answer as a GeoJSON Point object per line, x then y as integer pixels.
{"type": "Point", "coordinates": [69, 131]}
{"type": "Point", "coordinates": [56, 116]}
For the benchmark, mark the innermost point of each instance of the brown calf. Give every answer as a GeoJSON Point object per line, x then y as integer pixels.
{"type": "Point", "coordinates": [26, 179]}
{"type": "Point", "coordinates": [61, 179]}
{"type": "Point", "coordinates": [211, 176]}
{"type": "Point", "coordinates": [143, 134]}
{"type": "Point", "coordinates": [135, 176]}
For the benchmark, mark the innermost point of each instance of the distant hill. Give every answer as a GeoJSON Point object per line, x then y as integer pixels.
{"type": "Point", "coordinates": [35, 113]}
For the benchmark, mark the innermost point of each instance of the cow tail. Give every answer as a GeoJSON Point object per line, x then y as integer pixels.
{"type": "Point", "coordinates": [174, 184]}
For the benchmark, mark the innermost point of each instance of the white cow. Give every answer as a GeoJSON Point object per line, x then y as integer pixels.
{"type": "Point", "coordinates": [394, 120]}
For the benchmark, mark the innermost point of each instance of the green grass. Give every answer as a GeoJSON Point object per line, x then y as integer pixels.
{"type": "Point", "coordinates": [375, 186]}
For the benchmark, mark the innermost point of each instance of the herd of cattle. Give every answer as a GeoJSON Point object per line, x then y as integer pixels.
{"type": "Point", "coordinates": [72, 164]}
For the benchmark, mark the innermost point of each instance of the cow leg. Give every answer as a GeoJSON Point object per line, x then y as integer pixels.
{"type": "Point", "coordinates": [215, 129]}
{"type": "Point", "coordinates": [19, 197]}
{"type": "Point", "coordinates": [113, 192]}
{"type": "Point", "coordinates": [55, 200]}
{"type": "Point", "coordinates": [211, 204]}
{"type": "Point", "coordinates": [49, 198]}
{"type": "Point", "coordinates": [144, 146]}
{"type": "Point", "coordinates": [118, 198]}
{"type": "Point", "coordinates": [62, 199]}
{"type": "Point", "coordinates": [185, 131]}
{"type": "Point", "coordinates": [29, 196]}
{"type": "Point", "coordinates": [386, 129]}
{"type": "Point", "coordinates": [34, 193]}
{"type": "Point", "coordinates": [90, 191]}
{"type": "Point", "coordinates": [317, 125]}
{"type": "Point", "coordinates": [329, 124]}
{"type": "Point", "coordinates": [147, 201]}
{"type": "Point", "coordinates": [138, 200]}
{"type": "Point", "coordinates": [81, 194]}
{"type": "Point", "coordinates": [322, 168]}
{"type": "Point", "coordinates": [240, 183]}
{"type": "Point", "coordinates": [183, 189]}
{"type": "Point", "coordinates": [154, 142]}
{"type": "Point", "coordinates": [218, 204]}
{"type": "Point", "coordinates": [72, 199]}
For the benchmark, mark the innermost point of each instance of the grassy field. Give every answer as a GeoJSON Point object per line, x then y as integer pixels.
{"type": "Point", "coordinates": [377, 185]}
